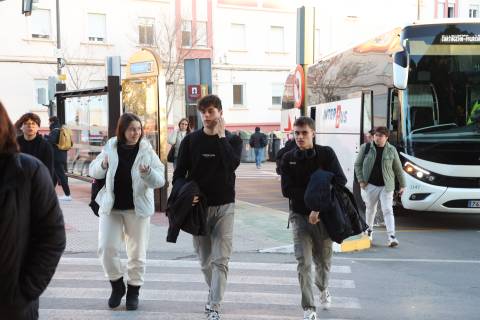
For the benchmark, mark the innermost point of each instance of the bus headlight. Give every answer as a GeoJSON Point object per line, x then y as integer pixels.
{"type": "Point", "coordinates": [418, 172]}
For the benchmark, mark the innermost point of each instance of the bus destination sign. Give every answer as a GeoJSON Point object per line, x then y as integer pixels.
{"type": "Point", "coordinates": [460, 38]}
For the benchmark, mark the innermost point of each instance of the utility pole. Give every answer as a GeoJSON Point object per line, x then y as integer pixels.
{"type": "Point", "coordinates": [59, 41]}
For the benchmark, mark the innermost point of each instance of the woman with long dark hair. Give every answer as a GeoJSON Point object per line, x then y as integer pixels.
{"type": "Point", "coordinates": [132, 171]}
{"type": "Point", "coordinates": [32, 232]}
{"type": "Point", "coordinates": [176, 137]}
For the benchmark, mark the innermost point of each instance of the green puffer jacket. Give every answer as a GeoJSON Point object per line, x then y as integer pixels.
{"type": "Point", "coordinates": [391, 166]}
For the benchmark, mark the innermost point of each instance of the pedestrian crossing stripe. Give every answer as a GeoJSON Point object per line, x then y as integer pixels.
{"type": "Point", "coordinates": [198, 278]}
{"type": "Point", "coordinates": [62, 314]}
{"type": "Point", "coordinates": [194, 264]}
{"type": "Point", "coordinates": [258, 298]}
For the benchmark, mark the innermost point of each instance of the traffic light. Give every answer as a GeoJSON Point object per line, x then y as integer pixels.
{"type": "Point", "coordinates": [27, 7]}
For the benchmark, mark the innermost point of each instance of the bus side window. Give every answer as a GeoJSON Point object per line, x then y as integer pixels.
{"type": "Point", "coordinates": [313, 112]}
{"type": "Point", "coordinates": [394, 115]}
{"type": "Point", "coordinates": [367, 118]}
{"type": "Point", "coordinates": [394, 111]}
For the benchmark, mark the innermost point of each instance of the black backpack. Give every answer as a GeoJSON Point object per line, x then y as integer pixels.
{"type": "Point", "coordinates": [97, 185]}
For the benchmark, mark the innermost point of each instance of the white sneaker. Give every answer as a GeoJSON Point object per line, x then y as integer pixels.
{"type": "Point", "coordinates": [325, 299]}
{"type": "Point", "coordinates": [309, 315]}
{"type": "Point", "coordinates": [213, 315]}
{"type": "Point", "coordinates": [392, 241]}
{"type": "Point", "coordinates": [370, 234]}
{"type": "Point", "coordinates": [208, 308]}
{"type": "Point", "coordinates": [65, 198]}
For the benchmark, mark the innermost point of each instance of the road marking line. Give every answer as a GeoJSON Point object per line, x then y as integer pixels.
{"type": "Point", "coordinates": [198, 278]}
{"type": "Point", "coordinates": [62, 314]}
{"type": "Point", "coordinates": [195, 264]}
{"type": "Point", "coordinates": [258, 298]}
{"type": "Point", "coordinates": [409, 260]}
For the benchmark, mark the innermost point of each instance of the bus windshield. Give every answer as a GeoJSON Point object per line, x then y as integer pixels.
{"type": "Point", "coordinates": [442, 113]}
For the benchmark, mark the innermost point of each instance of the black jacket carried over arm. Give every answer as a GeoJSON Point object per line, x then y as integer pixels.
{"type": "Point", "coordinates": [211, 162]}
{"type": "Point", "coordinates": [32, 235]}
{"type": "Point", "coordinates": [297, 167]}
{"type": "Point", "coordinates": [182, 215]}
{"type": "Point", "coordinates": [336, 204]}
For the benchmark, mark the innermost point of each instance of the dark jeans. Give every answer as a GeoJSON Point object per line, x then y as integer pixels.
{"type": "Point", "coordinates": [61, 177]}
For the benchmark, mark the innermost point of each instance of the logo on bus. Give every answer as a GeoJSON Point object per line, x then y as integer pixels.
{"type": "Point", "coordinates": [335, 113]}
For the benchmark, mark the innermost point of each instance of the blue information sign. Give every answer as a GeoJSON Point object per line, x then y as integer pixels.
{"type": "Point", "coordinates": [141, 67]}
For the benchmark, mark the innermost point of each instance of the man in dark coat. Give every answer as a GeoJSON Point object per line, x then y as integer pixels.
{"type": "Point", "coordinates": [59, 159]}
{"type": "Point", "coordinates": [32, 232]}
{"type": "Point", "coordinates": [32, 143]}
{"type": "Point", "coordinates": [311, 241]}
{"type": "Point", "coordinates": [258, 141]}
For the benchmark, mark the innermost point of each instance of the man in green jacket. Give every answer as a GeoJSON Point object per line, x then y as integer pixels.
{"type": "Point", "coordinates": [376, 172]}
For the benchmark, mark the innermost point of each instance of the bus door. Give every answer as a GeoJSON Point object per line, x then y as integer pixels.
{"type": "Point", "coordinates": [339, 125]}
{"type": "Point", "coordinates": [144, 94]}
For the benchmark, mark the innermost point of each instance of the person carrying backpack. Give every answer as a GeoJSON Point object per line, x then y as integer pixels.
{"type": "Point", "coordinates": [258, 141]}
{"type": "Point", "coordinates": [58, 138]}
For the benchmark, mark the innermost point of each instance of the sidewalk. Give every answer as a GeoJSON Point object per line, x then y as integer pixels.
{"type": "Point", "coordinates": [256, 228]}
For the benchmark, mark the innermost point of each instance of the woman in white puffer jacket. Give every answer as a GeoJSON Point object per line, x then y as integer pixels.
{"type": "Point", "coordinates": [132, 170]}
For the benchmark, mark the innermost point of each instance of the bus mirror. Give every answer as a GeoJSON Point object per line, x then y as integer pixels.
{"type": "Point", "coordinates": [400, 70]}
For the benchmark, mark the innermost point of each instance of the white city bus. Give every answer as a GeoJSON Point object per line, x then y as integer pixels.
{"type": "Point", "coordinates": [423, 83]}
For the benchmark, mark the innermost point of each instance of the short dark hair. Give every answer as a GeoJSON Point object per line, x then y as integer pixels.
{"type": "Point", "coordinates": [304, 121]}
{"type": "Point", "coordinates": [29, 116]}
{"type": "Point", "coordinates": [123, 123]}
{"type": "Point", "coordinates": [53, 119]}
{"type": "Point", "coordinates": [382, 130]}
{"type": "Point", "coordinates": [210, 100]}
{"type": "Point", "coordinates": [8, 137]}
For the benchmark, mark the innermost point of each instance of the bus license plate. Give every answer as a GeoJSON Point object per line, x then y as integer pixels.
{"type": "Point", "coordinates": [474, 203]}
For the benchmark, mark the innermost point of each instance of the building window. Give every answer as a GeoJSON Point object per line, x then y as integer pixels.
{"type": "Point", "coordinates": [451, 10]}
{"type": "Point", "coordinates": [473, 11]}
{"type": "Point", "coordinates": [40, 94]}
{"type": "Point", "coordinates": [97, 27]}
{"type": "Point", "coordinates": [40, 23]}
{"type": "Point", "coordinates": [237, 36]}
{"type": "Point", "coordinates": [146, 31]}
{"type": "Point", "coordinates": [238, 93]}
{"type": "Point", "coordinates": [201, 34]}
{"type": "Point", "coordinates": [441, 9]}
{"type": "Point", "coordinates": [186, 33]}
{"type": "Point", "coordinates": [276, 39]}
{"type": "Point", "coordinates": [277, 89]}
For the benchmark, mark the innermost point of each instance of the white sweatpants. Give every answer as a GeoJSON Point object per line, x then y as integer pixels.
{"type": "Point", "coordinates": [371, 195]}
{"type": "Point", "coordinates": [113, 229]}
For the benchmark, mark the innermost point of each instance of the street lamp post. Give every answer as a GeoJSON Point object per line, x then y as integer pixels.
{"type": "Point", "coordinates": [59, 41]}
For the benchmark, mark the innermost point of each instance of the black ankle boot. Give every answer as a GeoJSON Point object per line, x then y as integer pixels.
{"type": "Point", "coordinates": [118, 291]}
{"type": "Point", "coordinates": [132, 297]}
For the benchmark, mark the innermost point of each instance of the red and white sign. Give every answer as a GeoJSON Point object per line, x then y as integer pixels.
{"type": "Point", "coordinates": [194, 91]}
{"type": "Point", "coordinates": [299, 86]}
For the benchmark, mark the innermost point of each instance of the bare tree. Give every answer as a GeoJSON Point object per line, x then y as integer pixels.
{"type": "Point", "coordinates": [166, 42]}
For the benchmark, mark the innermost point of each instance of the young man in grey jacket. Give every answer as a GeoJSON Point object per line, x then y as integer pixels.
{"type": "Point", "coordinates": [376, 172]}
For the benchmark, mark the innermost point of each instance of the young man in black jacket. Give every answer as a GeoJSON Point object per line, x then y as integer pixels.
{"type": "Point", "coordinates": [209, 157]}
{"type": "Point", "coordinates": [32, 143]}
{"type": "Point", "coordinates": [311, 240]}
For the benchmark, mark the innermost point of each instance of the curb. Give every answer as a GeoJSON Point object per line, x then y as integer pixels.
{"type": "Point", "coordinates": [355, 243]}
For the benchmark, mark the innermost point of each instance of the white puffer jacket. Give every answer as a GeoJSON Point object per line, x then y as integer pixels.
{"type": "Point", "coordinates": [143, 184]}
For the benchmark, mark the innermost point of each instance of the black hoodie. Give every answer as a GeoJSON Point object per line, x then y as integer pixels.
{"type": "Point", "coordinates": [39, 148]}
